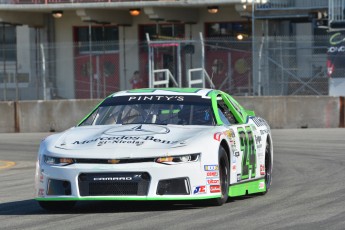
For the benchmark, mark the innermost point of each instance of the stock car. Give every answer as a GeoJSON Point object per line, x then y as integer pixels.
{"type": "Point", "coordinates": [175, 144]}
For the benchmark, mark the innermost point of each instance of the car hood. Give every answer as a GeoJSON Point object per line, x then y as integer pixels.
{"type": "Point", "coordinates": [141, 136]}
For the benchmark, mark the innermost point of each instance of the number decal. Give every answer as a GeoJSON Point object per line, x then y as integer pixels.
{"type": "Point", "coordinates": [249, 152]}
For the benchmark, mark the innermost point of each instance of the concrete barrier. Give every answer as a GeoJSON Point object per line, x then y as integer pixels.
{"type": "Point", "coordinates": [56, 115]}
{"type": "Point", "coordinates": [280, 112]}
{"type": "Point", "coordinates": [7, 118]}
{"type": "Point", "coordinates": [296, 111]}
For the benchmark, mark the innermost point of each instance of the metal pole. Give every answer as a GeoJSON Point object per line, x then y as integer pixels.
{"type": "Point", "coordinates": [179, 65]}
{"type": "Point", "coordinates": [202, 58]}
{"type": "Point", "coordinates": [150, 61]}
{"type": "Point", "coordinates": [253, 48]}
{"type": "Point", "coordinates": [102, 73]}
{"type": "Point", "coordinates": [124, 56]}
{"type": "Point", "coordinates": [90, 61]}
{"type": "Point", "coordinates": [16, 80]}
{"type": "Point", "coordinates": [259, 63]}
{"type": "Point", "coordinates": [43, 72]}
{"type": "Point", "coordinates": [4, 60]}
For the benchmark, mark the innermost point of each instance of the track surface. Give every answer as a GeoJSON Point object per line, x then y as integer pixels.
{"type": "Point", "coordinates": [308, 192]}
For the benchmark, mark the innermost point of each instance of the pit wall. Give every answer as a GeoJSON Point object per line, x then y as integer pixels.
{"type": "Point", "coordinates": [280, 112]}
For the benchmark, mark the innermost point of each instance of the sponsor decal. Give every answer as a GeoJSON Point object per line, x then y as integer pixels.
{"type": "Point", "coordinates": [239, 177]}
{"type": "Point", "coordinates": [257, 139]}
{"type": "Point", "coordinates": [41, 177]}
{"type": "Point", "coordinates": [213, 181]}
{"type": "Point", "coordinates": [264, 131]}
{"type": "Point", "coordinates": [233, 168]}
{"type": "Point", "coordinates": [261, 185]}
{"type": "Point", "coordinates": [236, 153]}
{"type": "Point", "coordinates": [234, 160]}
{"type": "Point", "coordinates": [229, 133]}
{"type": "Point", "coordinates": [137, 140]}
{"type": "Point", "coordinates": [156, 98]}
{"type": "Point", "coordinates": [217, 136]}
{"type": "Point", "coordinates": [258, 142]}
{"type": "Point", "coordinates": [214, 188]}
{"type": "Point", "coordinates": [138, 130]}
{"type": "Point", "coordinates": [262, 169]}
{"type": "Point", "coordinates": [40, 192]}
{"type": "Point", "coordinates": [212, 174]}
{"type": "Point", "coordinates": [199, 189]}
{"type": "Point", "coordinates": [211, 167]}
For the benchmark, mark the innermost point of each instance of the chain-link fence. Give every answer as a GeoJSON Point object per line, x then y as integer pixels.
{"type": "Point", "coordinates": [272, 66]}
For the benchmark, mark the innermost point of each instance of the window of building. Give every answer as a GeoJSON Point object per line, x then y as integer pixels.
{"type": "Point", "coordinates": [162, 31]}
{"type": "Point", "coordinates": [8, 43]}
{"type": "Point", "coordinates": [103, 39]}
{"type": "Point", "coordinates": [228, 29]}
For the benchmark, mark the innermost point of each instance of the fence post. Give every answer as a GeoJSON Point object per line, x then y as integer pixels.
{"type": "Point", "coordinates": [342, 112]}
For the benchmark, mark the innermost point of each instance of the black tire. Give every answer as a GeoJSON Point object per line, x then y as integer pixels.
{"type": "Point", "coordinates": [224, 177]}
{"type": "Point", "coordinates": [268, 168]}
{"type": "Point", "coordinates": [57, 205]}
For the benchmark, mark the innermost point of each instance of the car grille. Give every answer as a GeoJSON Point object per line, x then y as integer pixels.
{"type": "Point", "coordinates": [114, 184]}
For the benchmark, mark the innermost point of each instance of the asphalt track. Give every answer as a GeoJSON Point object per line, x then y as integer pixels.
{"type": "Point", "coordinates": [308, 192]}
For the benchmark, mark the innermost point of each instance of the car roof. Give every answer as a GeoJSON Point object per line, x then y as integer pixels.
{"type": "Point", "coordinates": [202, 92]}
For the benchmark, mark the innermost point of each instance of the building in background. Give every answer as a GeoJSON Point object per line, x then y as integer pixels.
{"type": "Point", "coordinates": [62, 49]}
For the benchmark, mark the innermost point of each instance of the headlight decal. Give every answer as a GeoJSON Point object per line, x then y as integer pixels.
{"type": "Point", "coordinates": [188, 158]}
{"type": "Point", "coordinates": [56, 161]}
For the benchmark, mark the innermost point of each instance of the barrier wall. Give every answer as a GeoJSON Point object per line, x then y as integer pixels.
{"type": "Point", "coordinates": [56, 115]}
{"type": "Point", "coordinates": [7, 117]}
{"type": "Point", "coordinates": [280, 112]}
{"type": "Point", "coordinates": [297, 112]}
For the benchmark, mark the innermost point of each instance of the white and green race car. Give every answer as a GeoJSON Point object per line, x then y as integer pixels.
{"type": "Point", "coordinates": [157, 144]}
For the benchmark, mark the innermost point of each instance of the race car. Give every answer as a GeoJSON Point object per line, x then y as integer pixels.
{"type": "Point", "coordinates": [174, 144]}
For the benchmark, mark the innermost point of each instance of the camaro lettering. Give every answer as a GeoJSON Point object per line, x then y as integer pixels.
{"type": "Point", "coordinates": [112, 178]}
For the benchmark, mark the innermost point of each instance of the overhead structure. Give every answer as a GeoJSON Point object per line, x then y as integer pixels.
{"type": "Point", "coordinates": [121, 17]}
{"type": "Point", "coordinates": [22, 18]}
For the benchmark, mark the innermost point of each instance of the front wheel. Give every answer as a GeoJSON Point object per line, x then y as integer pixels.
{"type": "Point", "coordinates": [224, 177]}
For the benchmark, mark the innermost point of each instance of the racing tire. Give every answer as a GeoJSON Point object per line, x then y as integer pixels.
{"type": "Point", "coordinates": [224, 177]}
{"type": "Point", "coordinates": [57, 205]}
{"type": "Point", "coordinates": [268, 168]}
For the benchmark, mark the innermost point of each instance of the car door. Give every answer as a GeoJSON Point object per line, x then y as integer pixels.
{"type": "Point", "coordinates": [241, 138]}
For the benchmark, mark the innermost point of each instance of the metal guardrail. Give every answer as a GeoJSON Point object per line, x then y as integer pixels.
{"type": "Point", "coordinates": [192, 82]}
{"type": "Point", "coordinates": [291, 4]}
{"type": "Point", "coordinates": [166, 79]}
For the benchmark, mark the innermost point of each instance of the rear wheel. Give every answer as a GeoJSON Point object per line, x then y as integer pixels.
{"type": "Point", "coordinates": [268, 167]}
{"type": "Point", "coordinates": [224, 176]}
{"type": "Point", "coordinates": [57, 205]}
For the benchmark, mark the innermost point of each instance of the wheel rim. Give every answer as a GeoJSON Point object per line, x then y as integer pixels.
{"type": "Point", "coordinates": [224, 178]}
{"type": "Point", "coordinates": [267, 166]}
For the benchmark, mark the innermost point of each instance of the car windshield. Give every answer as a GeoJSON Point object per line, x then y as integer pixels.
{"type": "Point", "coordinates": [188, 111]}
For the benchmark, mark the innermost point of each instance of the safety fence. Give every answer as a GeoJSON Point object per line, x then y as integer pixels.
{"type": "Point", "coordinates": [269, 66]}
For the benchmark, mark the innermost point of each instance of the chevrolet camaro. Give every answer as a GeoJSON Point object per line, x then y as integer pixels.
{"type": "Point", "coordinates": [174, 144]}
